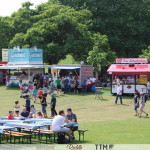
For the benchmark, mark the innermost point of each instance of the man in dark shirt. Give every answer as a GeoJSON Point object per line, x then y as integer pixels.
{"type": "Point", "coordinates": [27, 105]}
{"type": "Point", "coordinates": [66, 81]}
{"type": "Point", "coordinates": [71, 118]}
{"type": "Point", "coordinates": [53, 104]}
{"type": "Point", "coordinates": [24, 112]}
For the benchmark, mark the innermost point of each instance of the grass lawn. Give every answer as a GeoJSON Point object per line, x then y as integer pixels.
{"type": "Point", "coordinates": [106, 121]}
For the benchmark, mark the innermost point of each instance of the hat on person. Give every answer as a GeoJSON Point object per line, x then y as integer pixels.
{"type": "Point", "coordinates": [141, 93]}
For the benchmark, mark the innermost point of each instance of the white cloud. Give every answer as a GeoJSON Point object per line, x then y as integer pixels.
{"type": "Point", "coordinates": [9, 6]}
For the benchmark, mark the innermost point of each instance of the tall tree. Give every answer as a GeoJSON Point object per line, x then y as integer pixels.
{"type": "Point", "coordinates": [125, 22]}
{"type": "Point", "coordinates": [59, 30]}
{"type": "Point", "coordinates": [101, 56]}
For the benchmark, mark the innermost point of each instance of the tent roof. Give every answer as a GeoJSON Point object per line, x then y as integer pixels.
{"type": "Point", "coordinates": [69, 66]}
{"type": "Point", "coordinates": [129, 69]}
{"type": "Point", "coordinates": [23, 66]}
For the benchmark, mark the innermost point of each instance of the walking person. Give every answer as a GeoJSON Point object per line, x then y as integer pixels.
{"type": "Point", "coordinates": [58, 83]}
{"type": "Point", "coordinates": [142, 104]}
{"type": "Point", "coordinates": [119, 93]}
{"type": "Point", "coordinates": [44, 105]}
{"type": "Point", "coordinates": [136, 103]}
{"type": "Point", "coordinates": [53, 104]}
{"type": "Point", "coordinates": [52, 87]}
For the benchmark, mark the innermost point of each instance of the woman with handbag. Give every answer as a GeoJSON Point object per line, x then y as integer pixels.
{"type": "Point", "coordinates": [136, 103]}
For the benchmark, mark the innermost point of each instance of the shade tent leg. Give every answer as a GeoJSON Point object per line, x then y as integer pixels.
{"type": "Point", "coordinates": [29, 74]}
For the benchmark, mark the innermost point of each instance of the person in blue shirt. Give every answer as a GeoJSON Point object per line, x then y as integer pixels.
{"type": "Point", "coordinates": [27, 105]}
{"type": "Point", "coordinates": [24, 113]}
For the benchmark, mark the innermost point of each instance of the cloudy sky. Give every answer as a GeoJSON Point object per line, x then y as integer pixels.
{"type": "Point", "coordinates": [9, 6]}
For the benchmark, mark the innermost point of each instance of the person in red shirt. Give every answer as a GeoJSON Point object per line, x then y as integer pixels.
{"type": "Point", "coordinates": [40, 93]}
{"type": "Point", "coordinates": [10, 116]}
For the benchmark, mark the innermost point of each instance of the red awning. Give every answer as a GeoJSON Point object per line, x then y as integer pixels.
{"type": "Point", "coordinates": [129, 69]}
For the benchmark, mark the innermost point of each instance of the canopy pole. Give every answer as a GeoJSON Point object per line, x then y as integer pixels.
{"type": "Point", "coordinates": [29, 74]}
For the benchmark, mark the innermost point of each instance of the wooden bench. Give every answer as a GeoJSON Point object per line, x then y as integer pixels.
{"type": "Point", "coordinates": [81, 133]}
{"type": "Point", "coordinates": [17, 135]}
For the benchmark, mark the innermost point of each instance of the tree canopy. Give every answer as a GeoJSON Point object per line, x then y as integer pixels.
{"type": "Point", "coordinates": [125, 22]}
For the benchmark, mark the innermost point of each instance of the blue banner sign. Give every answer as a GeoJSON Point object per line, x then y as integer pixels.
{"type": "Point", "coordinates": [25, 56]}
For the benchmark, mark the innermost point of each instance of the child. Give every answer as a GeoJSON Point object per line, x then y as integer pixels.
{"type": "Point", "coordinates": [27, 105]}
{"type": "Point", "coordinates": [30, 115]}
{"type": "Point", "coordinates": [32, 109]}
{"type": "Point", "coordinates": [39, 115]}
{"type": "Point", "coordinates": [17, 108]}
{"type": "Point", "coordinates": [45, 90]}
{"type": "Point", "coordinates": [10, 116]}
{"type": "Point", "coordinates": [34, 93]}
{"type": "Point", "coordinates": [40, 94]}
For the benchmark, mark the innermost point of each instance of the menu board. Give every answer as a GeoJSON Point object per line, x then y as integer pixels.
{"type": "Point", "coordinates": [143, 79]}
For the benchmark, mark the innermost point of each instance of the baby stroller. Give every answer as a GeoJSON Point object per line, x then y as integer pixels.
{"type": "Point", "coordinates": [24, 91]}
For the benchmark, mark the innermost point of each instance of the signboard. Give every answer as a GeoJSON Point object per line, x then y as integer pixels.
{"type": "Point", "coordinates": [86, 72]}
{"type": "Point", "coordinates": [25, 56]}
{"type": "Point", "coordinates": [4, 55]}
{"type": "Point", "coordinates": [143, 79]}
{"type": "Point", "coordinates": [132, 60]}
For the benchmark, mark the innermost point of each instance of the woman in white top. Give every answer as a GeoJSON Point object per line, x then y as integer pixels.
{"type": "Point", "coordinates": [142, 104]}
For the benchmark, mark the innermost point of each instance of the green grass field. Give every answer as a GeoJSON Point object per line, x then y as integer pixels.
{"type": "Point", "coordinates": [106, 121]}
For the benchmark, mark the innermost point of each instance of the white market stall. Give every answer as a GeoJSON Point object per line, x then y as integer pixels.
{"type": "Point", "coordinates": [85, 71]}
{"type": "Point", "coordinates": [29, 61]}
{"type": "Point", "coordinates": [132, 73]}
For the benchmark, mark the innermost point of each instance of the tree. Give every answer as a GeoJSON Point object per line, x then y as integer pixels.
{"type": "Point", "coordinates": [125, 22]}
{"type": "Point", "coordinates": [145, 53]}
{"type": "Point", "coordinates": [101, 56]}
{"type": "Point", "coordinates": [5, 32]}
{"type": "Point", "coordinates": [59, 30]}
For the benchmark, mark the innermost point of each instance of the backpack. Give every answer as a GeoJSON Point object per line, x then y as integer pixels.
{"type": "Point", "coordinates": [62, 140]}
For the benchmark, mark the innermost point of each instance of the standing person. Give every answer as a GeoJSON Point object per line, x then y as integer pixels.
{"type": "Point", "coordinates": [17, 108]}
{"type": "Point", "coordinates": [148, 87]}
{"type": "Point", "coordinates": [119, 93]}
{"type": "Point", "coordinates": [84, 86]}
{"type": "Point", "coordinates": [52, 86]}
{"type": "Point", "coordinates": [45, 90]}
{"type": "Point", "coordinates": [44, 105]}
{"type": "Point", "coordinates": [142, 104]}
{"type": "Point", "coordinates": [27, 105]}
{"type": "Point", "coordinates": [7, 79]}
{"type": "Point", "coordinates": [40, 93]}
{"type": "Point", "coordinates": [35, 84]}
{"type": "Point", "coordinates": [69, 83]}
{"type": "Point", "coordinates": [30, 87]}
{"type": "Point", "coordinates": [66, 81]}
{"type": "Point", "coordinates": [76, 83]}
{"type": "Point", "coordinates": [58, 122]}
{"type": "Point", "coordinates": [34, 94]}
{"type": "Point", "coordinates": [136, 103]}
{"type": "Point", "coordinates": [58, 83]}
{"type": "Point", "coordinates": [53, 104]}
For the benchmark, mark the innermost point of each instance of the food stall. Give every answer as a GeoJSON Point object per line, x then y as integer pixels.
{"type": "Point", "coordinates": [132, 73]}
{"type": "Point", "coordinates": [22, 63]}
{"type": "Point", "coordinates": [82, 71]}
